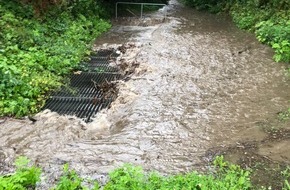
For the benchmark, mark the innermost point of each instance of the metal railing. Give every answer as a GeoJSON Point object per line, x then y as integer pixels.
{"type": "Point", "coordinates": [142, 6]}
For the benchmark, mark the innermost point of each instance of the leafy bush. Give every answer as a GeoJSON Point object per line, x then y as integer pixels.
{"type": "Point", "coordinates": [247, 18]}
{"type": "Point", "coordinates": [35, 53]}
{"type": "Point", "coordinates": [127, 177]}
{"type": "Point", "coordinates": [227, 176]}
{"type": "Point", "coordinates": [276, 33]}
{"type": "Point", "coordinates": [71, 181]}
{"type": "Point", "coordinates": [25, 176]}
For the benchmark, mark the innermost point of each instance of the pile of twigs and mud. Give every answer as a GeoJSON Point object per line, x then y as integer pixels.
{"type": "Point", "coordinates": [125, 66]}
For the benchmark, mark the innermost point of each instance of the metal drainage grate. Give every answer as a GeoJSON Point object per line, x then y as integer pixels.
{"type": "Point", "coordinates": [88, 92]}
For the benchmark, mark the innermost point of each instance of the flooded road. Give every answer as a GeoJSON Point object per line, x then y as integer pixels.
{"type": "Point", "coordinates": [202, 83]}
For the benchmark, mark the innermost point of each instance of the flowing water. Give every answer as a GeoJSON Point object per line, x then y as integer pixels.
{"type": "Point", "coordinates": [202, 84]}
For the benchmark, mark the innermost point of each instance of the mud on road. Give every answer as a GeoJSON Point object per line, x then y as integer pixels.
{"type": "Point", "coordinates": [203, 88]}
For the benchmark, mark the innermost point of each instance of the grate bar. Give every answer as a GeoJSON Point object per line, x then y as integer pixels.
{"type": "Point", "coordinates": [82, 98]}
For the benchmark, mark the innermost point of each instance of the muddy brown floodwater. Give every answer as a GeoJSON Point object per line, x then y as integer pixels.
{"type": "Point", "coordinates": [203, 88]}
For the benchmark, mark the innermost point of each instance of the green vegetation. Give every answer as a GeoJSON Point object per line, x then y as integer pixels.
{"type": "Point", "coordinates": [269, 19]}
{"type": "Point", "coordinates": [222, 176]}
{"type": "Point", "coordinates": [71, 181]}
{"type": "Point", "coordinates": [39, 45]}
{"type": "Point", "coordinates": [284, 116]}
{"type": "Point", "coordinates": [225, 176]}
{"type": "Point", "coordinates": [25, 176]}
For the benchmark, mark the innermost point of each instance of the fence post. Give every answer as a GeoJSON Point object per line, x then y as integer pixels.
{"type": "Point", "coordinates": [141, 10]}
{"type": "Point", "coordinates": [116, 10]}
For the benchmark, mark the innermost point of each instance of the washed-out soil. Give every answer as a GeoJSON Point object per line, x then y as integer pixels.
{"type": "Point", "coordinates": [267, 158]}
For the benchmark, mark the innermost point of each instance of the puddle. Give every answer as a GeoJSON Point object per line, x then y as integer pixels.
{"type": "Point", "coordinates": [202, 87]}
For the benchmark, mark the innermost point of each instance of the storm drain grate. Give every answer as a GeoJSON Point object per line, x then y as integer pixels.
{"type": "Point", "coordinates": [90, 91]}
